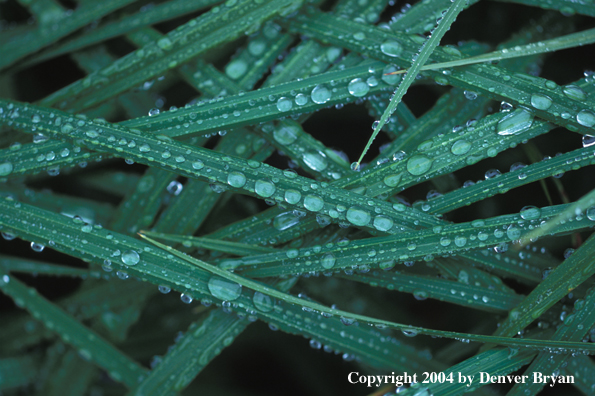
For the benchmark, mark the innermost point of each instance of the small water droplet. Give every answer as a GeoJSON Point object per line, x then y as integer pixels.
{"type": "Point", "coordinates": [224, 289]}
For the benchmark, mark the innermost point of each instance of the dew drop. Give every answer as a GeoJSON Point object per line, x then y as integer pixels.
{"type": "Point", "coordinates": [313, 203]}
{"type": "Point", "coordinates": [541, 102]}
{"type": "Point", "coordinates": [515, 122]}
{"type": "Point", "coordinates": [530, 213]}
{"type": "Point", "coordinates": [586, 118]}
{"type": "Point", "coordinates": [574, 92]}
{"type": "Point", "coordinates": [262, 302]}
{"type": "Point", "coordinates": [358, 216]}
{"type": "Point", "coordinates": [6, 168]}
{"type": "Point", "coordinates": [224, 289]}
{"type": "Point", "coordinates": [37, 247]}
{"type": "Point", "coordinates": [130, 257]}
{"type": "Point", "coordinates": [382, 223]}
{"type": "Point", "coordinates": [236, 179]}
{"type": "Point", "coordinates": [320, 94]}
{"type": "Point", "coordinates": [292, 196]}
{"type": "Point", "coordinates": [418, 165]}
{"type": "Point", "coordinates": [391, 48]}
{"type": "Point", "coordinates": [460, 147]}
{"type": "Point", "coordinates": [358, 88]}
{"type": "Point", "coordinates": [284, 104]}
{"type": "Point", "coordinates": [264, 188]}
{"type": "Point", "coordinates": [236, 68]}
{"type": "Point", "coordinates": [315, 160]}
{"type": "Point", "coordinates": [286, 133]}
{"type": "Point", "coordinates": [328, 261]}
{"type": "Point", "coordinates": [392, 180]}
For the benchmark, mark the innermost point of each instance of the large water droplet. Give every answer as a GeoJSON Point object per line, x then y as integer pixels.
{"type": "Point", "coordinates": [286, 133]}
{"type": "Point", "coordinates": [530, 213]}
{"type": "Point", "coordinates": [392, 180]}
{"type": "Point", "coordinates": [6, 168]}
{"type": "Point", "coordinates": [320, 94]}
{"type": "Point", "coordinates": [224, 289]}
{"type": "Point", "coordinates": [358, 216]}
{"type": "Point", "coordinates": [236, 68]}
{"type": "Point", "coordinates": [418, 165]}
{"type": "Point", "coordinates": [264, 188]}
{"type": "Point", "coordinates": [292, 196]}
{"type": "Point", "coordinates": [515, 122]}
{"type": "Point", "coordinates": [236, 179]}
{"type": "Point", "coordinates": [513, 232]}
{"type": "Point", "coordinates": [313, 203]}
{"type": "Point", "coordinates": [391, 48]}
{"type": "Point", "coordinates": [391, 79]}
{"type": "Point", "coordinates": [541, 102]}
{"type": "Point", "coordinates": [586, 118]}
{"type": "Point", "coordinates": [285, 220]}
{"type": "Point", "coordinates": [315, 161]}
{"type": "Point", "coordinates": [130, 257]}
{"type": "Point", "coordinates": [262, 302]}
{"type": "Point", "coordinates": [382, 223]}
{"type": "Point", "coordinates": [328, 261]}
{"type": "Point", "coordinates": [284, 104]}
{"type": "Point", "coordinates": [358, 87]}
{"type": "Point", "coordinates": [460, 147]}
{"type": "Point", "coordinates": [574, 92]}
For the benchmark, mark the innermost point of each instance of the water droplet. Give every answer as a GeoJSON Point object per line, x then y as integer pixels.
{"type": "Point", "coordinates": [513, 232]}
{"type": "Point", "coordinates": [515, 122]}
{"type": "Point", "coordinates": [186, 298]}
{"type": "Point", "coordinates": [37, 247]}
{"type": "Point", "coordinates": [586, 118]}
{"type": "Point", "coordinates": [301, 99]}
{"type": "Point", "coordinates": [315, 160]}
{"type": "Point", "coordinates": [320, 94]}
{"type": "Point", "coordinates": [358, 216]}
{"type": "Point", "coordinates": [391, 48]}
{"type": "Point", "coordinates": [130, 257]}
{"type": "Point", "coordinates": [236, 179]}
{"type": "Point", "coordinates": [264, 188]}
{"type": "Point", "coordinates": [236, 68]}
{"type": "Point", "coordinates": [153, 112]}
{"type": "Point", "coordinates": [285, 220]}
{"type": "Point", "coordinates": [418, 165]}
{"type": "Point", "coordinates": [313, 203]}
{"type": "Point", "coordinates": [164, 289]}
{"type": "Point", "coordinates": [588, 140]}
{"type": "Point", "coordinates": [391, 79]}
{"type": "Point", "coordinates": [164, 43]}
{"type": "Point", "coordinates": [568, 252]}
{"type": "Point", "coordinates": [292, 196]}
{"type": "Point", "coordinates": [392, 180]}
{"type": "Point", "coordinates": [328, 261]}
{"type": "Point", "coordinates": [460, 147]}
{"type": "Point", "coordinates": [574, 92]}
{"type": "Point", "coordinates": [530, 213]}
{"type": "Point", "coordinates": [144, 148]}
{"type": "Point", "coordinates": [284, 104]}
{"type": "Point", "coordinates": [358, 88]}
{"type": "Point", "coordinates": [541, 102]}
{"type": "Point", "coordinates": [262, 302]}
{"type": "Point", "coordinates": [470, 95]}
{"type": "Point", "coordinates": [460, 240]}
{"type": "Point", "coordinates": [6, 168]}
{"type": "Point", "coordinates": [224, 289]}
{"type": "Point", "coordinates": [198, 165]}
{"type": "Point", "coordinates": [591, 213]}
{"type": "Point", "coordinates": [286, 133]}
{"type": "Point", "coordinates": [382, 223]}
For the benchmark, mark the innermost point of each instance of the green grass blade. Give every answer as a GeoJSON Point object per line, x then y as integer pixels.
{"type": "Point", "coordinates": [89, 343]}
{"type": "Point", "coordinates": [418, 61]}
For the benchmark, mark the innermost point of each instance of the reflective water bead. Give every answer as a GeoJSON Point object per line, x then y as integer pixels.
{"type": "Point", "coordinates": [382, 223]}
{"type": "Point", "coordinates": [541, 102]}
{"type": "Point", "coordinates": [292, 196]}
{"type": "Point", "coordinates": [391, 48]}
{"type": "Point", "coordinates": [574, 92]}
{"type": "Point", "coordinates": [313, 203]}
{"type": "Point", "coordinates": [236, 68]}
{"type": "Point", "coordinates": [513, 232]}
{"type": "Point", "coordinates": [460, 240]}
{"type": "Point", "coordinates": [198, 165]}
{"type": "Point", "coordinates": [460, 147]}
{"type": "Point", "coordinates": [287, 132]}
{"type": "Point", "coordinates": [320, 94]}
{"type": "Point", "coordinates": [328, 261]}
{"type": "Point", "coordinates": [284, 104]}
{"type": "Point", "coordinates": [130, 257]}
{"type": "Point", "coordinates": [264, 188]}
{"type": "Point", "coordinates": [358, 216]}
{"type": "Point", "coordinates": [164, 289]}
{"type": "Point", "coordinates": [315, 160]}
{"type": "Point", "coordinates": [301, 99]}
{"type": "Point", "coordinates": [186, 298]}
{"type": "Point", "coordinates": [586, 118]}
{"type": "Point", "coordinates": [236, 179]}
{"type": "Point", "coordinates": [285, 220]}
{"type": "Point", "coordinates": [6, 168]}
{"type": "Point", "coordinates": [392, 180]}
{"type": "Point", "coordinates": [588, 140]}
{"type": "Point", "coordinates": [530, 213]}
{"type": "Point", "coordinates": [418, 165]}
{"type": "Point", "coordinates": [224, 289]}
{"type": "Point", "coordinates": [358, 88]}
{"type": "Point", "coordinates": [515, 122]}
{"type": "Point", "coordinates": [391, 79]}
{"type": "Point", "coordinates": [37, 247]}
{"type": "Point", "coordinates": [262, 302]}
